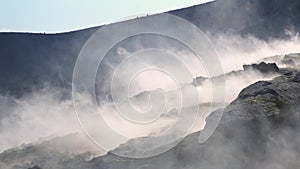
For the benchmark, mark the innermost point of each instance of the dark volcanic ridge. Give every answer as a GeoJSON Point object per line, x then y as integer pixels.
{"type": "Point", "coordinates": [31, 61]}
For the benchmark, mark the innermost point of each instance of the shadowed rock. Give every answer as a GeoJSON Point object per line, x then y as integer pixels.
{"type": "Point", "coordinates": [259, 129]}
{"type": "Point", "coordinates": [263, 67]}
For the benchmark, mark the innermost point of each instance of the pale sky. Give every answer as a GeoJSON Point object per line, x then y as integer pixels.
{"type": "Point", "coordinates": [52, 16]}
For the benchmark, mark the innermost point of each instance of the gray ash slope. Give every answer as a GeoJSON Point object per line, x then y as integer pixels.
{"type": "Point", "coordinates": [259, 129]}
{"type": "Point", "coordinates": [29, 61]}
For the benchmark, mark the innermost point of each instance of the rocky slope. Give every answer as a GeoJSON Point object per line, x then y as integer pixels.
{"type": "Point", "coordinates": [259, 129]}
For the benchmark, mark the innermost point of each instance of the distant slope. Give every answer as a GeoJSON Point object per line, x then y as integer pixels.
{"type": "Point", "coordinates": [263, 18]}
{"type": "Point", "coordinates": [31, 60]}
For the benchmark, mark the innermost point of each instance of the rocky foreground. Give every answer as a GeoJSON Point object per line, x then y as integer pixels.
{"type": "Point", "coordinates": [259, 129]}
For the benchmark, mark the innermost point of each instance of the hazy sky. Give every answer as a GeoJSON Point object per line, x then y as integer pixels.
{"type": "Point", "coordinates": [66, 15]}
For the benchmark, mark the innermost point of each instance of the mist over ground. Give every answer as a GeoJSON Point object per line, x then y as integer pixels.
{"type": "Point", "coordinates": [50, 113]}
{"type": "Point", "coordinates": [37, 108]}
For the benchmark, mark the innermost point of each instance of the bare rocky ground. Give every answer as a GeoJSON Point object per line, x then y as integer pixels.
{"type": "Point", "coordinates": [259, 129]}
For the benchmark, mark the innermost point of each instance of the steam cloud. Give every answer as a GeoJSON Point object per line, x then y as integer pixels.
{"type": "Point", "coordinates": [44, 115]}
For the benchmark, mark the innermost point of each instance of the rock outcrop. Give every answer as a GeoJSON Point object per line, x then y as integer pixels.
{"type": "Point", "coordinates": [263, 67]}
{"type": "Point", "coordinates": [261, 123]}
{"type": "Point", "coordinates": [259, 129]}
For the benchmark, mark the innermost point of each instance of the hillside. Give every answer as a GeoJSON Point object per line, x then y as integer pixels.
{"type": "Point", "coordinates": [33, 60]}
{"type": "Point", "coordinates": [258, 45]}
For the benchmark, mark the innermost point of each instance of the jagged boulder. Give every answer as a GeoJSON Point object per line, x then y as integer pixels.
{"type": "Point", "coordinates": [266, 98]}
{"type": "Point", "coordinates": [198, 81]}
{"type": "Point", "coordinates": [263, 67]}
